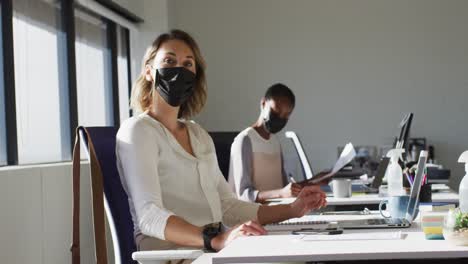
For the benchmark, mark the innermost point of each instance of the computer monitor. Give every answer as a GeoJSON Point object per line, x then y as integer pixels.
{"type": "Point", "coordinates": [402, 138]}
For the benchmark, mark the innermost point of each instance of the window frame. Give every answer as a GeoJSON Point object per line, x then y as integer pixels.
{"type": "Point", "coordinates": [3, 140]}
{"type": "Point", "coordinates": [67, 12]}
{"type": "Point", "coordinates": [9, 82]}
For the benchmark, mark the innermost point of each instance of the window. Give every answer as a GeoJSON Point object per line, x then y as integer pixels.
{"type": "Point", "coordinates": [48, 35]}
{"type": "Point", "coordinates": [3, 148]}
{"type": "Point", "coordinates": [123, 72]}
{"type": "Point", "coordinates": [93, 62]}
{"type": "Point", "coordinates": [41, 82]}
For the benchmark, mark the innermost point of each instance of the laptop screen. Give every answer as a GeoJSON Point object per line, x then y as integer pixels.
{"type": "Point", "coordinates": [414, 196]}
{"type": "Point", "coordinates": [381, 169]}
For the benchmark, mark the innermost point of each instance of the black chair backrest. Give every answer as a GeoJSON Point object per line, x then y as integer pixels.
{"type": "Point", "coordinates": [104, 139]}
{"type": "Point", "coordinates": [223, 142]}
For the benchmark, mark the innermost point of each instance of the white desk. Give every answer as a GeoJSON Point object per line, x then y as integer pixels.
{"type": "Point", "coordinates": [274, 248]}
{"type": "Point", "coordinates": [288, 248]}
{"type": "Point", "coordinates": [363, 199]}
{"type": "Point", "coordinates": [282, 247]}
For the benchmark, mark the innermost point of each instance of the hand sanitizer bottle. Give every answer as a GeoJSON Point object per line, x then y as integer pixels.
{"type": "Point", "coordinates": [463, 190]}
{"type": "Point", "coordinates": [394, 174]}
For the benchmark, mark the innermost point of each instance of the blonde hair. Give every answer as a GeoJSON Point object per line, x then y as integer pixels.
{"type": "Point", "coordinates": [143, 90]}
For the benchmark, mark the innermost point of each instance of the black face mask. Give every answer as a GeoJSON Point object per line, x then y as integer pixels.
{"type": "Point", "coordinates": [175, 85]}
{"type": "Point", "coordinates": [274, 123]}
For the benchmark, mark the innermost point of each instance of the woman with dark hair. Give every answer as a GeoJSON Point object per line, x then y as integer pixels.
{"type": "Point", "coordinates": [256, 170]}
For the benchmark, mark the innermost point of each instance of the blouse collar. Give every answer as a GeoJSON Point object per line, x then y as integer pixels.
{"type": "Point", "coordinates": [194, 140]}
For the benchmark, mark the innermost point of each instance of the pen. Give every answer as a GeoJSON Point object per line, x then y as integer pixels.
{"type": "Point", "coordinates": [409, 179]}
{"type": "Point", "coordinates": [425, 175]}
{"type": "Point", "coordinates": [291, 179]}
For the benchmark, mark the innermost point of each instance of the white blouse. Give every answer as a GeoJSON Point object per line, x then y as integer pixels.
{"type": "Point", "coordinates": [161, 178]}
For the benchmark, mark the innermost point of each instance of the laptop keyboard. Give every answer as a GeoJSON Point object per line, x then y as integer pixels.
{"type": "Point", "coordinates": [373, 223]}
{"type": "Point", "coordinates": [378, 221]}
{"type": "Point", "coordinates": [384, 221]}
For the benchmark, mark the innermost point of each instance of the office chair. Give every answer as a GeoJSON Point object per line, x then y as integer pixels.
{"type": "Point", "coordinates": [223, 142]}
{"type": "Point", "coordinates": [115, 200]}
{"type": "Point", "coordinates": [301, 153]}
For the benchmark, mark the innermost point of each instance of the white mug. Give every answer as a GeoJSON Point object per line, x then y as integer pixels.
{"type": "Point", "coordinates": [396, 206]}
{"type": "Point", "coordinates": [341, 188]}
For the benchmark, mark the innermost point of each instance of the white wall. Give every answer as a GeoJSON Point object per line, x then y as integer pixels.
{"type": "Point", "coordinates": [131, 6]}
{"type": "Point", "coordinates": [35, 201]}
{"type": "Point", "coordinates": [36, 222]}
{"type": "Point", "coordinates": [154, 13]}
{"type": "Point", "coordinates": [356, 67]}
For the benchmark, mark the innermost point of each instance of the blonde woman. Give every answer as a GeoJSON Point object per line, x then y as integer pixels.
{"type": "Point", "coordinates": [168, 167]}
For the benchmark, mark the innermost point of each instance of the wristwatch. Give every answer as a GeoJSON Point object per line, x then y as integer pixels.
{"type": "Point", "coordinates": [209, 232]}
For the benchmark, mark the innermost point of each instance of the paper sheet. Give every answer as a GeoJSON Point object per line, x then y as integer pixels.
{"type": "Point", "coordinates": [360, 236]}
{"type": "Point", "coordinates": [347, 155]}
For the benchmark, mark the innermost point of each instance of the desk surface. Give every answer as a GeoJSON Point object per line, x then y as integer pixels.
{"type": "Point", "coordinates": [281, 248]}
{"type": "Point", "coordinates": [362, 199]}
{"type": "Point", "coordinates": [276, 248]}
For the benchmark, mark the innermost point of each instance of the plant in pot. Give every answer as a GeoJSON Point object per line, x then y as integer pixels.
{"type": "Point", "coordinates": [456, 227]}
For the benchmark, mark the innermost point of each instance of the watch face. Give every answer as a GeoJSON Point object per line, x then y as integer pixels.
{"type": "Point", "coordinates": [212, 230]}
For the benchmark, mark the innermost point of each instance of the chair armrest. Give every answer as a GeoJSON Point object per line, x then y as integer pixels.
{"type": "Point", "coordinates": [205, 258]}
{"type": "Point", "coordinates": [158, 256]}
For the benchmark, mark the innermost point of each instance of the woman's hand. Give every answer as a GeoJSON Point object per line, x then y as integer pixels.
{"type": "Point", "coordinates": [311, 197]}
{"type": "Point", "coordinates": [325, 181]}
{"type": "Point", "coordinates": [290, 190]}
{"type": "Point", "coordinates": [250, 228]}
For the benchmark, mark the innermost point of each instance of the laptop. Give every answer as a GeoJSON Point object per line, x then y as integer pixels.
{"type": "Point", "coordinates": [373, 223]}
{"type": "Point", "coordinates": [400, 141]}
{"type": "Point", "coordinates": [379, 175]}
{"type": "Point", "coordinates": [411, 210]}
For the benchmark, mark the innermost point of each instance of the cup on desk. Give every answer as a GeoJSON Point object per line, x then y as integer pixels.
{"type": "Point", "coordinates": [397, 206]}
{"type": "Point", "coordinates": [341, 188]}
